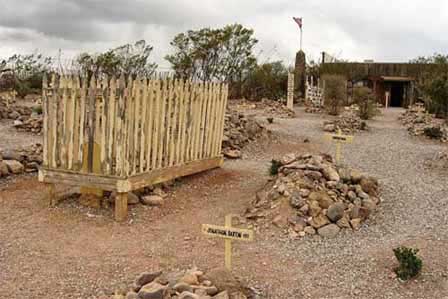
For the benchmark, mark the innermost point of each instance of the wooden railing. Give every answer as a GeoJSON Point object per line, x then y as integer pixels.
{"type": "Point", "coordinates": [122, 134]}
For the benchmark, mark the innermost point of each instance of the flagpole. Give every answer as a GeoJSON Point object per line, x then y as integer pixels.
{"type": "Point", "coordinates": [301, 33]}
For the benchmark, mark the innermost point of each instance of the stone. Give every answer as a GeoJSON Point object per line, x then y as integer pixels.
{"type": "Point", "coordinates": [319, 221]}
{"type": "Point", "coordinates": [279, 221]}
{"type": "Point", "coordinates": [190, 278]}
{"type": "Point", "coordinates": [131, 295]}
{"type": "Point", "coordinates": [287, 159]}
{"type": "Point", "coordinates": [14, 166]}
{"type": "Point", "coordinates": [133, 199]}
{"type": "Point", "coordinates": [188, 295]}
{"type": "Point", "coordinates": [304, 193]}
{"type": "Point", "coordinates": [313, 175]}
{"type": "Point", "coordinates": [331, 174]}
{"type": "Point", "coordinates": [322, 198]}
{"type": "Point", "coordinates": [355, 176]}
{"type": "Point", "coordinates": [146, 277]}
{"type": "Point", "coordinates": [159, 191]}
{"type": "Point", "coordinates": [4, 171]}
{"type": "Point", "coordinates": [336, 211]}
{"type": "Point", "coordinates": [329, 128]}
{"type": "Point", "coordinates": [210, 290]}
{"type": "Point", "coordinates": [182, 287]}
{"type": "Point", "coordinates": [329, 231]}
{"type": "Point", "coordinates": [152, 200]}
{"type": "Point", "coordinates": [309, 230]}
{"type": "Point", "coordinates": [153, 290]}
{"type": "Point", "coordinates": [369, 185]}
{"type": "Point", "coordinates": [232, 154]}
{"type": "Point", "coordinates": [222, 295]}
{"type": "Point", "coordinates": [351, 195]}
{"type": "Point", "coordinates": [355, 223]}
{"type": "Point", "coordinates": [344, 222]}
{"type": "Point", "coordinates": [314, 208]}
{"type": "Point", "coordinates": [369, 205]}
{"type": "Point", "coordinates": [223, 280]}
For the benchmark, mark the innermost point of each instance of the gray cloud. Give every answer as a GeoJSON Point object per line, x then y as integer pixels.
{"type": "Point", "coordinates": [383, 30]}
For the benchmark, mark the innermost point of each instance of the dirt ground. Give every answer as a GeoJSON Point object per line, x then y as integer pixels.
{"type": "Point", "coordinates": [75, 252]}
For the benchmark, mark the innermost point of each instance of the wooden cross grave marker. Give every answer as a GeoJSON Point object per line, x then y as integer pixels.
{"type": "Point", "coordinates": [339, 139]}
{"type": "Point", "coordinates": [229, 234]}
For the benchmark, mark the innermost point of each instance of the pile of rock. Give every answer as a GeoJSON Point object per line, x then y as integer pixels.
{"type": "Point", "coordinates": [420, 123]}
{"type": "Point", "coordinates": [439, 161]}
{"type": "Point", "coordinates": [311, 195]}
{"type": "Point", "coordinates": [21, 160]}
{"type": "Point", "coordinates": [276, 108]}
{"type": "Point", "coordinates": [192, 284]}
{"type": "Point", "coordinates": [348, 122]}
{"type": "Point", "coordinates": [239, 130]}
{"type": "Point", "coordinates": [34, 124]}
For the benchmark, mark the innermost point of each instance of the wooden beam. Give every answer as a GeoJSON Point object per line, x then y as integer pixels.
{"type": "Point", "coordinates": [89, 180]}
{"type": "Point", "coordinates": [165, 174]}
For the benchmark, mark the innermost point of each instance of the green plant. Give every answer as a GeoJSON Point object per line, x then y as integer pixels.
{"type": "Point", "coordinates": [267, 80]}
{"type": "Point", "coordinates": [410, 264]}
{"type": "Point", "coordinates": [335, 93]}
{"type": "Point", "coordinates": [275, 165]}
{"type": "Point", "coordinates": [38, 109]}
{"type": "Point", "coordinates": [433, 132]}
{"type": "Point", "coordinates": [366, 102]}
{"type": "Point", "coordinates": [224, 54]}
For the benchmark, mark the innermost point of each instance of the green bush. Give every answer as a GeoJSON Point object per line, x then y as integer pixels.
{"type": "Point", "coordinates": [410, 264]}
{"type": "Point", "coordinates": [433, 132]}
{"type": "Point", "coordinates": [335, 93]}
{"type": "Point", "coordinates": [275, 165]}
{"type": "Point", "coordinates": [38, 109]}
{"type": "Point", "coordinates": [268, 80]}
{"type": "Point", "coordinates": [366, 102]}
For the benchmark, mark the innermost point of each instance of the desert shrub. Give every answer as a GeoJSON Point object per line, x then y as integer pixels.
{"type": "Point", "coordinates": [433, 132]}
{"type": "Point", "coordinates": [335, 93]}
{"type": "Point", "coordinates": [275, 165]}
{"type": "Point", "coordinates": [366, 102]}
{"type": "Point", "coordinates": [268, 80]}
{"type": "Point", "coordinates": [128, 60]}
{"type": "Point", "coordinates": [38, 109]}
{"type": "Point", "coordinates": [410, 264]}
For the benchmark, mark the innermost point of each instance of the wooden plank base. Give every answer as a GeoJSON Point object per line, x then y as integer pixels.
{"type": "Point", "coordinates": [51, 195]}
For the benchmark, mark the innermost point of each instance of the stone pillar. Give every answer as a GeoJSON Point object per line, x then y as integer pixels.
{"type": "Point", "coordinates": [300, 75]}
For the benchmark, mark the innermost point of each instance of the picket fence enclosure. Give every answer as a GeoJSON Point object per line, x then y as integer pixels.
{"type": "Point", "coordinates": [122, 134]}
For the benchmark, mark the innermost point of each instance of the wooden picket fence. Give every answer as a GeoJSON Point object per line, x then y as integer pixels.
{"type": "Point", "coordinates": [124, 134]}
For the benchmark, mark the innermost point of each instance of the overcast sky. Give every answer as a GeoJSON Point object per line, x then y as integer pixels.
{"type": "Point", "coordinates": [392, 30]}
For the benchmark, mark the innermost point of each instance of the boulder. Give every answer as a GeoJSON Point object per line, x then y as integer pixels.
{"type": "Point", "coordinates": [319, 221]}
{"type": "Point", "coordinates": [188, 295]}
{"type": "Point", "coordinates": [182, 287]}
{"type": "Point", "coordinates": [309, 230]}
{"type": "Point", "coordinates": [152, 200]}
{"type": "Point", "coordinates": [222, 295]}
{"type": "Point", "coordinates": [146, 277]}
{"type": "Point", "coordinates": [223, 280]}
{"type": "Point", "coordinates": [329, 231]}
{"type": "Point", "coordinates": [153, 290]}
{"type": "Point", "coordinates": [14, 166]}
{"type": "Point", "coordinates": [4, 171]}
{"type": "Point", "coordinates": [336, 211]}
{"type": "Point", "coordinates": [232, 153]}
{"type": "Point", "coordinates": [131, 295]}
{"type": "Point", "coordinates": [331, 174]}
{"type": "Point", "coordinates": [355, 176]}
{"type": "Point", "coordinates": [355, 223]}
{"type": "Point", "coordinates": [369, 185]}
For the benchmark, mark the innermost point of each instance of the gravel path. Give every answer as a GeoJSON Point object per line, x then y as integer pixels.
{"type": "Point", "coordinates": [414, 213]}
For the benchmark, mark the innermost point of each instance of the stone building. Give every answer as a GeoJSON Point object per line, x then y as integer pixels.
{"type": "Point", "coordinates": [392, 83]}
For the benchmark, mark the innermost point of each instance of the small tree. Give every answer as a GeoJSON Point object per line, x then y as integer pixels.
{"type": "Point", "coordinates": [127, 60]}
{"type": "Point", "coordinates": [366, 102]}
{"type": "Point", "coordinates": [335, 93]}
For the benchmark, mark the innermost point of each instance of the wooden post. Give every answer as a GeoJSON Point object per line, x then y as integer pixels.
{"type": "Point", "coordinates": [121, 207]}
{"type": "Point", "coordinates": [228, 244]}
{"type": "Point", "coordinates": [51, 192]}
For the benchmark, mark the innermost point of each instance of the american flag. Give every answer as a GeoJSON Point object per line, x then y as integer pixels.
{"type": "Point", "coordinates": [298, 21]}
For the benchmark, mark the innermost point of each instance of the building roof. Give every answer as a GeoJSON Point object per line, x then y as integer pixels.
{"type": "Point", "coordinates": [397, 78]}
